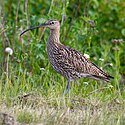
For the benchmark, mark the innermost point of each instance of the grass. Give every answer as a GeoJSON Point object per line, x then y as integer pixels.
{"type": "Point", "coordinates": [31, 91]}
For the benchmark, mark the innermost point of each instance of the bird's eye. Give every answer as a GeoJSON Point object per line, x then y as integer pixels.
{"type": "Point", "coordinates": [52, 23]}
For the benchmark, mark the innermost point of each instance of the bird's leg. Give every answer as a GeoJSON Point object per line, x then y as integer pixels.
{"type": "Point", "coordinates": [67, 88]}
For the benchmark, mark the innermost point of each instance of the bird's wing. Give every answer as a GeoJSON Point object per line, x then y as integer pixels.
{"type": "Point", "coordinates": [74, 60]}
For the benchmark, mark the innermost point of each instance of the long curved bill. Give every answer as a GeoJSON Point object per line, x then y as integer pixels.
{"type": "Point", "coordinates": [35, 27]}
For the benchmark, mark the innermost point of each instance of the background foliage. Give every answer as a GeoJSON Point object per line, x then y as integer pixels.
{"type": "Point", "coordinates": [94, 27]}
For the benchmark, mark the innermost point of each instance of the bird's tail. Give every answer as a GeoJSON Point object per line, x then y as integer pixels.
{"type": "Point", "coordinates": [105, 78]}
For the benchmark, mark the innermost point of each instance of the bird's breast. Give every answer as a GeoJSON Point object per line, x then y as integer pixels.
{"type": "Point", "coordinates": [52, 50]}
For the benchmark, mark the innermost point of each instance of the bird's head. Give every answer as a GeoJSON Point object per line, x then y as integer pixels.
{"type": "Point", "coordinates": [52, 24]}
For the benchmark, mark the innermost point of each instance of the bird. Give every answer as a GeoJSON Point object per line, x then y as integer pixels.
{"type": "Point", "coordinates": [67, 61]}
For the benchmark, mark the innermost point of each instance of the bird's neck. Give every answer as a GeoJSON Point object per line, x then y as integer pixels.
{"type": "Point", "coordinates": [54, 35]}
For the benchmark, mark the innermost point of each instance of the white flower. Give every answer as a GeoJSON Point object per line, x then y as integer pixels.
{"type": "Point", "coordinates": [101, 59]}
{"type": "Point", "coordinates": [85, 83]}
{"type": "Point", "coordinates": [42, 69]}
{"type": "Point", "coordinates": [9, 51]}
{"type": "Point", "coordinates": [86, 55]}
{"type": "Point", "coordinates": [111, 64]}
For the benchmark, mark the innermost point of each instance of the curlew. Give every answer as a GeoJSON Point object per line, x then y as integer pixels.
{"type": "Point", "coordinates": [68, 62]}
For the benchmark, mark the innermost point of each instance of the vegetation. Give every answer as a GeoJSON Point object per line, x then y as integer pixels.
{"type": "Point", "coordinates": [31, 91]}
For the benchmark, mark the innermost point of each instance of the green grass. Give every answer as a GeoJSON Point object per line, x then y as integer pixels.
{"type": "Point", "coordinates": [34, 96]}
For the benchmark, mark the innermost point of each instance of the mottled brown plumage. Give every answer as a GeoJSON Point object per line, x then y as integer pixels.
{"type": "Point", "coordinates": [68, 62]}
